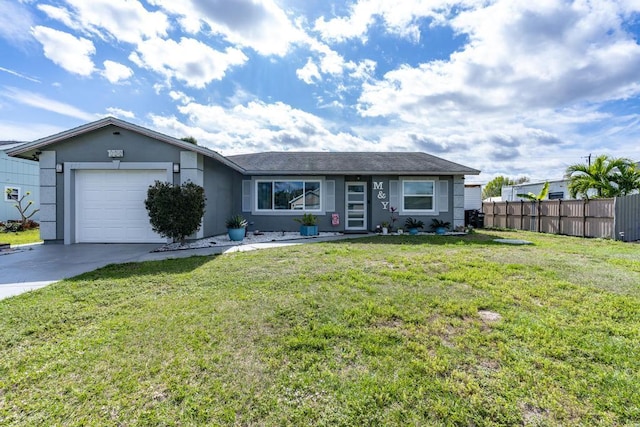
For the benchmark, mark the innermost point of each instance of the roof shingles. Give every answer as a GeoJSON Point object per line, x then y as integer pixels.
{"type": "Point", "coordinates": [384, 163]}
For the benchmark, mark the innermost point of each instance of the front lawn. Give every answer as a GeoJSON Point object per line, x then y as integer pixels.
{"type": "Point", "coordinates": [21, 237]}
{"type": "Point", "coordinates": [394, 330]}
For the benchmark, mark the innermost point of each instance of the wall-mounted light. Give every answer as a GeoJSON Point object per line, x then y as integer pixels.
{"type": "Point", "coordinates": [176, 168]}
{"type": "Point", "coordinates": [59, 168]}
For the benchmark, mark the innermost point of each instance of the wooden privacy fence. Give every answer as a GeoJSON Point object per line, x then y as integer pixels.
{"type": "Point", "coordinates": [584, 218]}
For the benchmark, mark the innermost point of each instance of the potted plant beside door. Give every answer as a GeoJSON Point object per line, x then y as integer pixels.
{"type": "Point", "coordinates": [413, 225]}
{"type": "Point", "coordinates": [236, 226]}
{"type": "Point", "coordinates": [308, 225]}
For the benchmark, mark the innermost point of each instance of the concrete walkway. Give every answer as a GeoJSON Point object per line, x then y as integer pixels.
{"type": "Point", "coordinates": [31, 267]}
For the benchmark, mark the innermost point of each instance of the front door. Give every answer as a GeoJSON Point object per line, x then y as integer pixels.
{"type": "Point", "coordinates": [356, 206]}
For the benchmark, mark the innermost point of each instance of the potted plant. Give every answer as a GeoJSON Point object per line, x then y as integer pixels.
{"type": "Point", "coordinates": [236, 226]}
{"type": "Point", "coordinates": [308, 224]}
{"type": "Point", "coordinates": [385, 227]}
{"type": "Point", "coordinates": [413, 225]}
{"type": "Point", "coordinates": [440, 227]}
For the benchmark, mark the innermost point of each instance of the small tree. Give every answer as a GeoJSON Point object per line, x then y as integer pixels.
{"type": "Point", "coordinates": [190, 139]}
{"type": "Point", "coordinates": [493, 188]}
{"type": "Point", "coordinates": [25, 216]}
{"type": "Point", "coordinates": [175, 211]}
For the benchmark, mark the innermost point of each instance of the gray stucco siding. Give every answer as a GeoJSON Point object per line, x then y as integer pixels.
{"type": "Point", "coordinates": [286, 221]}
{"type": "Point", "coordinates": [379, 200]}
{"type": "Point", "coordinates": [383, 196]}
{"type": "Point", "coordinates": [223, 188]}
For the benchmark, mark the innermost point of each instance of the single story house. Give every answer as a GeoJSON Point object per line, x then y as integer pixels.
{"type": "Point", "coordinates": [17, 178]}
{"type": "Point", "coordinates": [94, 180]}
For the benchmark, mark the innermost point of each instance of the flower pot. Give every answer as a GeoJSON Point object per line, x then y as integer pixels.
{"type": "Point", "coordinates": [413, 231]}
{"type": "Point", "coordinates": [308, 230]}
{"type": "Point", "coordinates": [385, 230]}
{"type": "Point", "coordinates": [441, 230]}
{"type": "Point", "coordinates": [236, 234]}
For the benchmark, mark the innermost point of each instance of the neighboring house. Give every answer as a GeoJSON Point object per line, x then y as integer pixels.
{"type": "Point", "coordinates": [94, 179]}
{"type": "Point", "coordinates": [17, 178]}
{"type": "Point", "coordinates": [558, 189]}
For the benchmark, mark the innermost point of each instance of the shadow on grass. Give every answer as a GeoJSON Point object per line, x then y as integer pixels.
{"type": "Point", "coordinates": [187, 265]}
{"type": "Point", "coordinates": [477, 239]}
{"type": "Point", "coordinates": [146, 268]}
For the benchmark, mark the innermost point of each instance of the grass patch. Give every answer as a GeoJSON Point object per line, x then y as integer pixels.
{"type": "Point", "coordinates": [21, 237]}
{"type": "Point", "coordinates": [396, 330]}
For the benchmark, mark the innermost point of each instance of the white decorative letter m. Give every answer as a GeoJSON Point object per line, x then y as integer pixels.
{"type": "Point", "coordinates": [377, 185]}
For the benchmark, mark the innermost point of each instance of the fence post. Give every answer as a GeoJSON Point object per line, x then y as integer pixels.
{"type": "Point", "coordinates": [506, 214]}
{"type": "Point", "coordinates": [539, 217]}
{"type": "Point", "coordinates": [559, 216]}
{"type": "Point", "coordinates": [521, 214]}
{"type": "Point", "coordinates": [584, 217]}
{"type": "Point", "coordinates": [493, 211]}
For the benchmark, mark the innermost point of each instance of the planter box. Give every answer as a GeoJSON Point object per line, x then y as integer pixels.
{"type": "Point", "coordinates": [308, 230]}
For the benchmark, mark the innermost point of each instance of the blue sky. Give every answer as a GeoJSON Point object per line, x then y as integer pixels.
{"type": "Point", "coordinates": [510, 87]}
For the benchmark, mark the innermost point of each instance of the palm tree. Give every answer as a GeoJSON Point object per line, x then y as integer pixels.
{"type": "Point", "coordinates": [598, 176]}
{"type": "Point", "coordinates": [628, 178]}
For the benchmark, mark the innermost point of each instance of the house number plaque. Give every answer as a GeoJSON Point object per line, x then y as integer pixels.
{"type": "Point", "coordinates": [115, 153]}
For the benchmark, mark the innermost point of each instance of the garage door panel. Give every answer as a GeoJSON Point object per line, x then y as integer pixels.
{"type": "Point", "coordinates": [110, 206]}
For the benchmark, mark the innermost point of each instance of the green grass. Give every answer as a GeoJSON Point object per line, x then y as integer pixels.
{"type": "Point", "coordinates": [21, 237]}
{"type": "Point", "coordinates": [373, 331]}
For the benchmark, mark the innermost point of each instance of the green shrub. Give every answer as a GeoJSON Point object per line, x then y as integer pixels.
{"type": "Point", "coordinates": [175, 211]}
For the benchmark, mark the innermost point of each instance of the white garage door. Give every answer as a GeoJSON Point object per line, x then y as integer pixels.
{"type": "Point", "coordinates": [110, 206]}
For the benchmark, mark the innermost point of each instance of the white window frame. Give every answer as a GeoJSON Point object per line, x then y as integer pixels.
{"type": "Point", "coordinates": [10, 199]}
{"type": "Point", "coordinates": [433, 196]}
{"type": "Point", "coordinates": [285, 212]}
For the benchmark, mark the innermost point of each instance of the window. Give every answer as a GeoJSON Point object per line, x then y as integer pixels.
{"type": "Point", "coordinates": [288, 195]}
{"type": "Point", "coordinates": [11, 194]}
{"type": "Point", "coordinates": [418, 195]}
{"type": "Point", "coordinates": [556, 195]}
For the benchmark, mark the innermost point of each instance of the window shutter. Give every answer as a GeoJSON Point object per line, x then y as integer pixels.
{"type": "Point", "coordinates": [330, 196]}
{"type": "Point", "coordinates": [246, 196]}
{"type": "Point", "coordinates": [443, 196]}
{"type": "Point", "coordinates": [394, 195]}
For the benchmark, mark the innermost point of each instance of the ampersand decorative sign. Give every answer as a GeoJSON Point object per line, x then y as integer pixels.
{"type": "Point", "coordinates": [381, 196]}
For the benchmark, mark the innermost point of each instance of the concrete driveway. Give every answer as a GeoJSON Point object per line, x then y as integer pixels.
{"type": "Point", "coordinates": [32, 267]}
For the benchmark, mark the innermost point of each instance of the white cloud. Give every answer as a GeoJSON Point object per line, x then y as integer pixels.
{"type": "Point", "coordinates": [309, 73]}
{"type": "Point", "coordinates": [61, 14]}
{"type": "Point", "coordinates": [123, 20]}
{"type": "Point", "coordinates": [259, 24]}
{"type": "Point", "coordinates": [505, 94]}
{"type": "Point", "coordinates": [180, 97]}
{"type": "Point", "coordinates": [22, 76]}
{"type": "Point", "coordinates": [116, 72]}
{"type": "Point", "coordinates": [38, 101]}
{"type": "Point", "coordinates": [353, 26]}
{"type": "Point", "coordinates": [118, 112]}
{"type": "Point", "coordinates": [189, 60]}
{"type": "Point", "coordinates": [15, 22]}
{"type": "Point", "coordinates": [258, 126]}
{"type": "Point", "coordinates": [401, 19]}
{"type": "Point", "coordinates": [17, 131]}
{"type": "Point", "coordinates": [69, 52]}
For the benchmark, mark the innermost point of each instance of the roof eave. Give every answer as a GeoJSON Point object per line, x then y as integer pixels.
{"type": "Point", "coordinates": [351, 172]}
{"type": "Point", "coordinates": [90, 127]}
